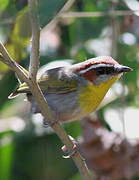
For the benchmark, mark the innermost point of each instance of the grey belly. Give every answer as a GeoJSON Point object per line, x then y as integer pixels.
{"type": "Point", "coordinates": [65, 106]}
{"type": "Point", "coordinates": [62, 102]}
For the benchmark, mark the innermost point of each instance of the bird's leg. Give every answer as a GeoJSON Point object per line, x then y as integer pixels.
{"type": "Point", "coordinates": [47, 124]}
{"type": "Point", "coordinates": [73, 151]}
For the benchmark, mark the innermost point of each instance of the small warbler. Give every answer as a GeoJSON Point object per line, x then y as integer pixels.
{"type": "Point", "coordinates": [75, 91]}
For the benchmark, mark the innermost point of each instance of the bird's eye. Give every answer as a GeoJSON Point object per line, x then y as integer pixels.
{"type": "Point", "coordinates": [101, 70]}
{"type": "Point", "coordinates": [105, 70]}
{"type": "Point", "coordinates": [109, 70]}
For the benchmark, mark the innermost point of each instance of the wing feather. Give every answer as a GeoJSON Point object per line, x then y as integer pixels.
{"type": "Point", "coordinates": [52, 81]}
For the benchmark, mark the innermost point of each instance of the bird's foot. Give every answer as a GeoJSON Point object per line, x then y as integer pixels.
{"type": "Point", "coordinates": [72, 152]}
{"type": "Point", "coordinates": [47, 124]}
{"type": "Point", "coordinates": [51, 123]}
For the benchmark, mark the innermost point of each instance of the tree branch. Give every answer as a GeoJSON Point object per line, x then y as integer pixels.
{"type": "Point", "coordinates": [115, 31]}
{"type": "Point", "coordinates": [34, 55]}
{"type": "Point", "coordinates": [56, 19]}
{"type": "Point", "coordinates": [35, 89]}
{"type": "Point", "coordinates": [96, 14]}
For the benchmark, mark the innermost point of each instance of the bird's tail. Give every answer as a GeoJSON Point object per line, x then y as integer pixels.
{"type": "Point", "coordinates": [22, 88]}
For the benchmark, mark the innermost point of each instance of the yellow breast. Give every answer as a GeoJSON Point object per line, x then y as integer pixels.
{"type": "Point", "coordinates": [92, 95]}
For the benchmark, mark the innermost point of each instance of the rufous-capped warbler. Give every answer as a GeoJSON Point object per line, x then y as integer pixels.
{"type": "Point", "coordinates": [75, 91]}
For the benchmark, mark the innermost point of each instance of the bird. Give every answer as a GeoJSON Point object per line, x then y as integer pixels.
{"type": "Point", "coordinates": [74, 91]}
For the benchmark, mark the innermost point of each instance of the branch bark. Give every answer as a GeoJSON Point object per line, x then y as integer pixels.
{"type": "Point", "coordinates": [34, 55]}
{"type": "Point", "coordinates": [96, 14]}
{"type": "Point", "coordinates": [56, 19]}
{"type": "Point", "coordinates": [30, 79]}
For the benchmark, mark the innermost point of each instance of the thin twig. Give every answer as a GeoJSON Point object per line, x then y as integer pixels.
{"type": "Point", "coordinates": [65, 14]}
{"type": "Point", "coordinates": [96, 14]}
{"type": "Point", "coordinates": [56, 19]}
{"type": "Point", "coordinates": [115, 31]}
{"type": "Point", "coordinates": [34, 54]}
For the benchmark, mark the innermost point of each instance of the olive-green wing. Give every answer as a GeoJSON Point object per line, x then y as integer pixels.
{"type": "Point", "coordinates": [51, 83]}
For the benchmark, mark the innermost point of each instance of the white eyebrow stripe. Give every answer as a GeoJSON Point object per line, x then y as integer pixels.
{"type": "Point", "coordinates": [94, 67]}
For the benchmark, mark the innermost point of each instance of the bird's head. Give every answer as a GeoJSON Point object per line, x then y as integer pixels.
{"type": "Point", "coordinates": [101, 69]}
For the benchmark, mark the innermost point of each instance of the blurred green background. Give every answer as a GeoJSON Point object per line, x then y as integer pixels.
{"type": "Point", "coordinates": [28, 151]}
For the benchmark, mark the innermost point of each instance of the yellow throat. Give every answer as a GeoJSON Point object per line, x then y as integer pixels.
{"type": "Point", "coordinates": [92, 95]}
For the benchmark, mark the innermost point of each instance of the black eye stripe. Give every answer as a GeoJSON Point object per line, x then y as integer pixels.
{"type": "Point", "coordinates": [100, 69]}
{"type": "Point", "coordinates": [104, 68]}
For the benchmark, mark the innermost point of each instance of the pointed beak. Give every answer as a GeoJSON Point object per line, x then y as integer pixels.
{"type": "Point", "coordinates": [121, 69]}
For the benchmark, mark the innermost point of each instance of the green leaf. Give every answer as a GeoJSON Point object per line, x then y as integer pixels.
{"type": "Point", "coordinates": [76, 177]}
{"type": "Point", "coordinates": [6, 154]}
{"type": "Point", "coordinates": [3, 4]}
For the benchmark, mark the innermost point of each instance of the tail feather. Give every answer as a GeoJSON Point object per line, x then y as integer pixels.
{"type": "Point", "coordinates": [22, 88]}
{"type": "Point", "coordinates": [13, 95]}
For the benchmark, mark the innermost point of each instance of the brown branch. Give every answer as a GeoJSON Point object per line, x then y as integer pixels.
{"type": "Point", "coordinates": [115, 31]}
{"type": "Point", "coordinates": [56, 19]}
{"type": "Point", "coordinates": [34, 88]}
{"type": "Point", "coordinates": [96, 14]}
{"type": "Point", "coordinates": [34, 55]}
